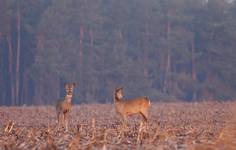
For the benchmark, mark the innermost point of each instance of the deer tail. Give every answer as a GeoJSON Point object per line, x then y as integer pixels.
{"type": "Point", "coordinates": [149, 101]}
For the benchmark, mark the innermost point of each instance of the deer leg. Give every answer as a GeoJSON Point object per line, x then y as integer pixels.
{"type": "Point", "coordinates": [62, 119]}
{"type": "Point", "coordinates": [66, 121]}
{"type": "Point", "coordinates": [145, 119]}
{"type": "Point", "coordinates": [125, 121]}
{"type": "Point", "coordinates": [59, 118]}
{"type": "Point", "coordinates": [144, 114]}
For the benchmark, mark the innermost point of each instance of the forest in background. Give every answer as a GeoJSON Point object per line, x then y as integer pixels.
{"type": "Point", "coordinates": [167, 50]}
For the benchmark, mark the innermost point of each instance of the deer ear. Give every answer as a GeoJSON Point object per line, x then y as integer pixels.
{"type": "Point", "coordinates": [74, 84]}
{"type": "Point", "coordinates": [118, 89]}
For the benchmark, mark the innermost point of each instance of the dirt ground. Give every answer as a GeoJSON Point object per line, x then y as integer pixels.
{"type": "Point", "coordinates": [177, 125]}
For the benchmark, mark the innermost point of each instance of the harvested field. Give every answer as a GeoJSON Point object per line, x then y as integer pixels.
{"type": "Point", "coordinates": [205, 125]}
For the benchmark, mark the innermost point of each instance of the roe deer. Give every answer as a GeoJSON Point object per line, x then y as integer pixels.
{"type": "Point", "coordinates": [64, 106]}
{"type": "Point", "coordinates": [138, 105]}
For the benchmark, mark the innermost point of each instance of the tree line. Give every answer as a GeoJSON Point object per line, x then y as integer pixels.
{"type": "Point", "coordinates": [164, 49]}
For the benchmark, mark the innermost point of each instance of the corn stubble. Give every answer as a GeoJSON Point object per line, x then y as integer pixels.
{"type": "Point", "coordinates": [194, 126]}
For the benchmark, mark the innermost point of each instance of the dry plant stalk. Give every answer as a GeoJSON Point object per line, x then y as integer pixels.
{"type": "Point", "coordinates": [10, 145]}
{"type": "Point", "coordinates": [9, 127]}
{"type": "Point", "coordinates": [104, 147]}
{"type": "Point", "coordinates": [93, 129]}
{"type": "Point", "coordinates": [155, 135]}
{"type": "Point", "coordinates": [158, 135]}
{"type": "Point", "coordinates": [31, 136]}
{"type": "Point", "coordinates": [50, 143]}
{"type": "Point", "coordinates": [74, 143]}
{"type": "Point", "coordinates": [140, 133]}
{"type": "Point", "coordinates": [80, 128]}
{"type": "Point", "coordinates": [138, 105]}
{"type": "Point", "coordinates": [120, 134]}
{"type": "Point", "coordinates": [228, 135]}
{"type": "Point", "coordinates": [92, 140]}
{"type": "Point", "coordinates": [64, 106]}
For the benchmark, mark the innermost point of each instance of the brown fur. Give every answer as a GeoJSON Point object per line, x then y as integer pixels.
{"type": "Point", "coordinates": [64, 106]}
{"type": "Point", "coordinates": [138, 105]}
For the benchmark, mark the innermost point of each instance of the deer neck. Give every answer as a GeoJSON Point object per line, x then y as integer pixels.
{"type": "Point", "coordinates": [116, 99]}
{"type": "Point", "coordinates": [68, 98]}
{"type": "Point", "coordinates": [118, 104]}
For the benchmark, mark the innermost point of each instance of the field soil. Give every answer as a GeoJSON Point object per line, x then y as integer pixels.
{"type": "Point", "coordinates": [171, 126]}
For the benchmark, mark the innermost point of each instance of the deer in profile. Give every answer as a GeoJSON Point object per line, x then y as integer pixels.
{"type": "Point", "coordinates": [64, 106]}
{"type": "Point", "coordinates": [126, 108]}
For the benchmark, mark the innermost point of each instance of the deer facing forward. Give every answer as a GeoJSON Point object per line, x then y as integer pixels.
{"type": "Point", "coordinates": [138, 105]}
{"type": "Point", "coordinates": [64, 106]}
